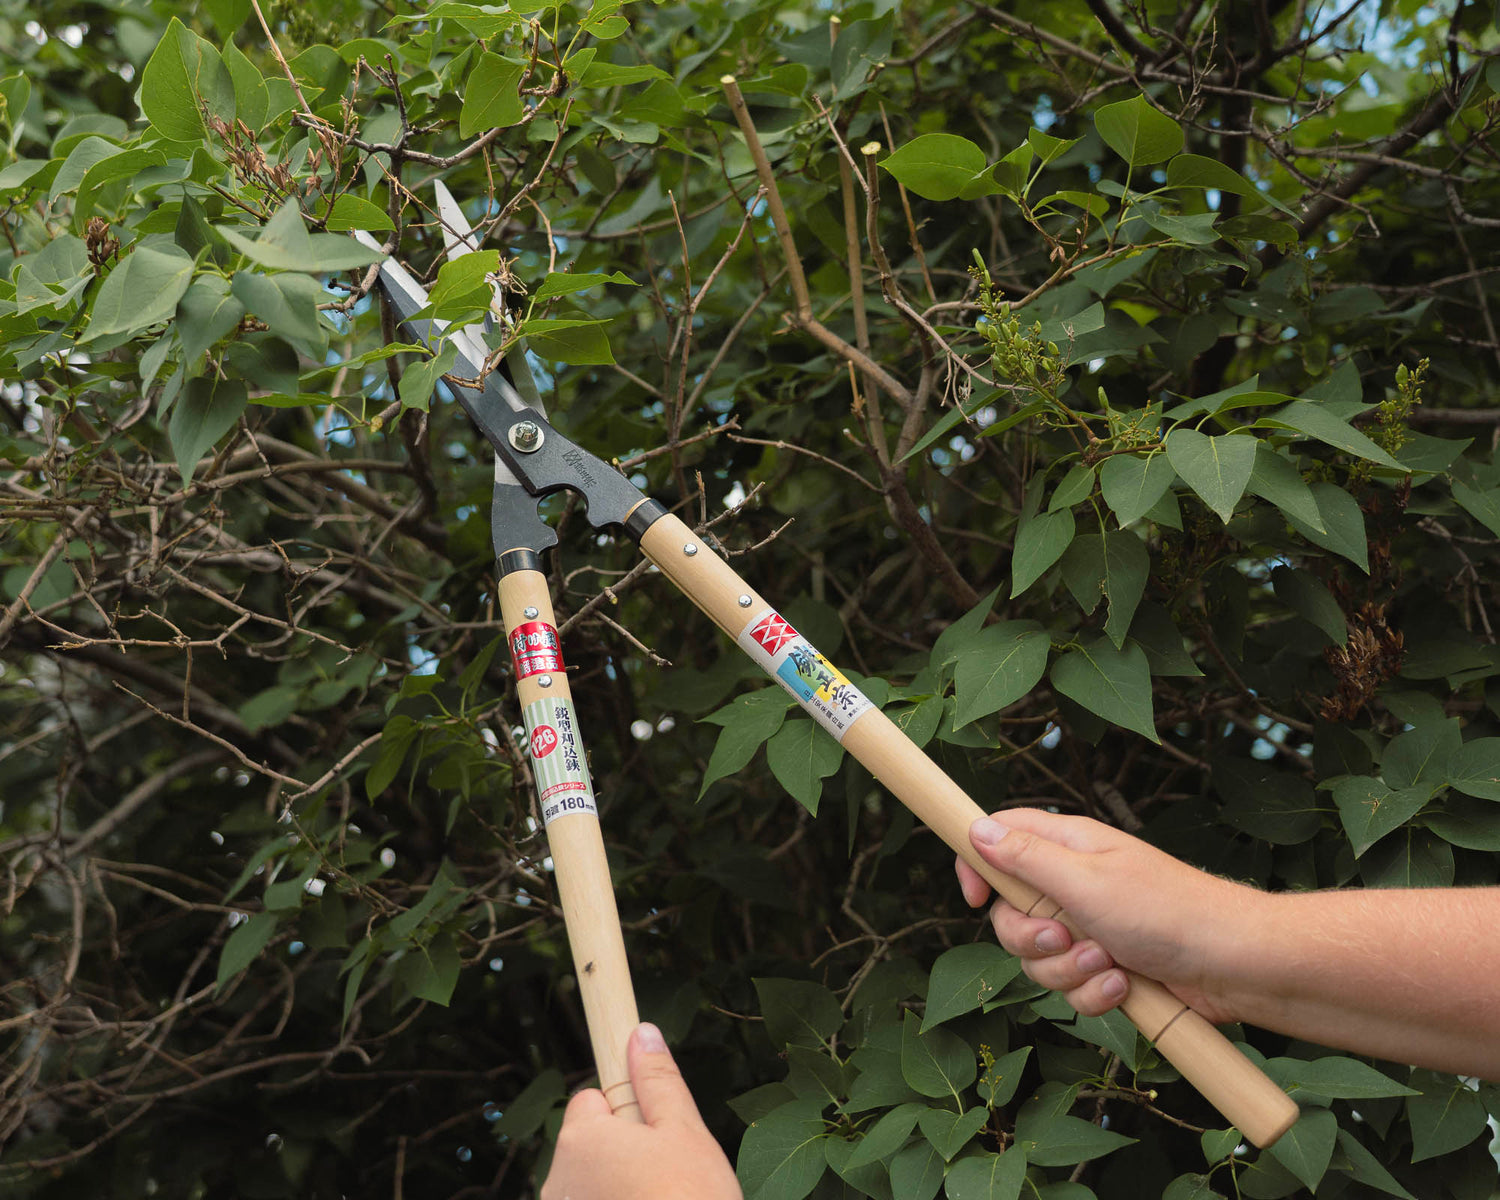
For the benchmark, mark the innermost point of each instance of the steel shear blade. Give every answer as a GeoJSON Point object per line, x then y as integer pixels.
{"type": "Point", "coordinates": [532, 459]}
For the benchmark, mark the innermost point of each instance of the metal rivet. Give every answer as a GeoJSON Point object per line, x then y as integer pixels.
{"type": "Point", "coordinates": [530, 612]}
{"type": "Point", "coordinates": [525, 436]}
{"type": "Point", "coordinates": [544, 681]}
{"type": "Point", "coordinates": [744, 601]}
{"type": "Point", "coordinates": [690, 549]}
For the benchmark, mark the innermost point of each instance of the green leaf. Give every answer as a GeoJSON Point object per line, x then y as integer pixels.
{"type": "Point", "coordinates": [802, 754]}
{"type": "Point", "coordinates": [1474, 768]}
{"type": "Point", "coordinates": [887, 1135]}
{"type": "Point", "coordinates": [954, 642]}
{"type": "Point", "coordinates": [748, 721]}
{"type": "Point", "coordinates": [526, 1114]}
{"type": "Point", "coordinates": [1191, 1186]}
{"type": "Point", "coordinates": [285, 245]}
{"type": "Point", "coordinates": [988, 1176]}
{"type": "Point", "coordinates": [181, 69]}
{"type": "Point", "coordinates": [1137, 132]}
{"type": "Point", "coordinates": [1056, 1140]}
{"type": "Point", "coordinates": [251, 98]}
{"type": "Point", "coordinates": [420, 379]}
{"type": "Point", "coordinates": [1343, 529]}
{"type": "Point", "coordinates": [1266, 802]}
{"type": "Point", "coordinates": [437, 966]}
{"type": "Point", "coordinates": [917, 1172]}
{"type": "Point", "coordinates": [205, 412]}
{"type": "Point", "coordinates": [1370, 809]}
{"type": "Point", "coordinates": [798, 1012]}
{"type": "Point", "coordinates": [1132, 484]}
{"type": "Point", "coordinates": [936, 166]}
{"type": "Point", "coordinates": [1196, 171]}
{"type": "Point", "coordinates": [936, 1063]}
{"type": "Point", "coordinates": [1166, 653]}
{"type": "Point", "coordinates": [1367, 1169]}
{"type": "Point", "coordinates": [1483, 506]}
{"type": "Point", "coordinates": [244, 945]}
{"type": "Point", "coordinates": [1315, 421]}
{"type": "Point", "coordinates": [1040, 542]}
{"type": "Point", "coordinates": [998, 665]}
{"type": "Point", "coordinates": [582, 343]}
{"type": "Point", "coordinates": [142, 290]}
{"type": "Point", "coordinates": [462, 287]}
{"type": "Point", "coordinates": [288, 304]}
{"type": "Point", "coordinates": [1306, 1148]}
{"type": "Point", "coordinates": [1421, 755]}
{"type": "Point", "coordinates": [1305, 594]}
{"type": "Point", "coordinates": [1076, 485]}
{"type": "Point", "coordinates": [948, 1131]}
{"type": "Point", "coordinates": [355, 212]}
{"type": "Point", "coordinates": [965, 977]}
{"type": "Point", "coordinates": [1217, 468]}
{"type": "Point", "coordinates": [492, 97]}
{"type": "Point", "coordinates": [1113, 682]}
{"type": "Point", "coordinates": [1334, 1078]}
{"type": "Point", "coordinates": [1113, 564]}
{"type": "Point", "coordinates": [206, 313]}
{"type": "Point", "coordinates": [781, 1156]}
{"type": "Point", "coordinates": [1445, 1116]}
{"type": "Point", "coordinates": [1002, 1078]}
{"type": "Point", "coordinates": [565, 285]}
{"type": "Point", "coordinates": [1277, 479]}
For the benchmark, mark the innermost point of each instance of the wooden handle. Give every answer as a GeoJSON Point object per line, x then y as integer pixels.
{"type": "Point", "coordinates": [573, 835]}
{"type": "Point", "coordinates": [1243, 1093]}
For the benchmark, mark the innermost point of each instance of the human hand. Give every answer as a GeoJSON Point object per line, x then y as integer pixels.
{"type": "Point", "coordinates": [1132, 905]}
{"type": "Point", "coordinates": [671, 1157]}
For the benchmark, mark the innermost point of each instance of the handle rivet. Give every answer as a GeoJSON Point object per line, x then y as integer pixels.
{"type": "Point", "coordinates": [744, 601]}
{"type": "Point", "coordinates": [531, 612]}
{"type": "Point", "coordinates": [690, 549]}
{"type": "Point", "coordinates": [525, 436]}
{"type": "Point", "coordinates": [544, 681]}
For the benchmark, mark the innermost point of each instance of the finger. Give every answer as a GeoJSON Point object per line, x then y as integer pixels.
{"type": "Point", "coordinates": [1100, 994]}
{"type": "Point", "coordinates": [586, 1106]}
{"type": "Point", "coordinates": [1032, 857]}
{"type": "Point", "coordinates": [663, 1096]}
{"type": "Point", "coordinates": [976, 891]}
{"type": "Point", "coordinates": [1028, 937]}
{"type": "Point", "coordinates": [1070, 971]}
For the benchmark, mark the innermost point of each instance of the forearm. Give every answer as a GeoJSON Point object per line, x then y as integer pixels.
{"type": "Point", "coordinates": [1405, 975]}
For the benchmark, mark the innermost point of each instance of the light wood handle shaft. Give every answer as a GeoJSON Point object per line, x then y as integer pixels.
{"type": "Point", "coordinates": [573, 835]}
{"type": "Point", "coordinates": [1225, 1077]}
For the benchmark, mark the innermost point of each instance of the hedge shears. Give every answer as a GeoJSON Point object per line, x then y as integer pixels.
{"type": "Point", "coordinates": [534, 460]}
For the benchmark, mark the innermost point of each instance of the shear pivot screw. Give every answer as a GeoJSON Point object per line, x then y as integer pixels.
{"type": "Point", "coordinates": [744, 601]}
{"type": "Point", "coordinates": [690, 549]}
{"type": "Point", "coordinates": [526, 436]}
{"type": "Point", "coordinates": [530, 612]}
{"type": "Point", "coordinates": [544, 681]}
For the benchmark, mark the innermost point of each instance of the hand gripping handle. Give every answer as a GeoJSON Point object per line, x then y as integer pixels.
{"type": "Point", "coordinates": [1225, 1077]}
{"type": "Point", "coordinates": [573, 835]}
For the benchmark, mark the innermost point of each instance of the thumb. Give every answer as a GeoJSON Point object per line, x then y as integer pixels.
{"type": "Point", "coordinates": [663, 1096]}
{"type": "Point", "coordinates": [1029, 845]}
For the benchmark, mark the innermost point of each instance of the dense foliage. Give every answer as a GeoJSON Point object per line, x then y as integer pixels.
{"type": "Point", "coordinates": [1116, 400]}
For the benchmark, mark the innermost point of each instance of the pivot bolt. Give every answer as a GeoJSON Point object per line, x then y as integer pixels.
{"type": "Point", "coordinates": [526, 436]}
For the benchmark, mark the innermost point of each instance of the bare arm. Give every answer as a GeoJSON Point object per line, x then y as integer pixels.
{"type": "Point", "coordinates": [1406, 975]}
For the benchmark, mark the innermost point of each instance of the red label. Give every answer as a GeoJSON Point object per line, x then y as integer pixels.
{"type": "Point", "coordinates": [772, 632]}
{"type": "Point", "coordinates": [534, 649]}
{"type": "Point", "coordinates": [543, 741]}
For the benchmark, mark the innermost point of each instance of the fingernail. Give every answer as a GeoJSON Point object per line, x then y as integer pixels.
{"type": "Point", "coordinates": [1093, 959]}
{"type": "Point", "coordinates": [987, 832]}
{"type": "Point", "coordinates": [648, 1037]}
{"type": "Point", "coordinates": [1113, 986]}
{"type": "Point", "coordinates": [1049, 941]}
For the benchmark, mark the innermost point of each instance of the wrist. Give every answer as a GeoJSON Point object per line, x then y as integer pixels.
{"type": "Point", "coordinates": [1240, 943]}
